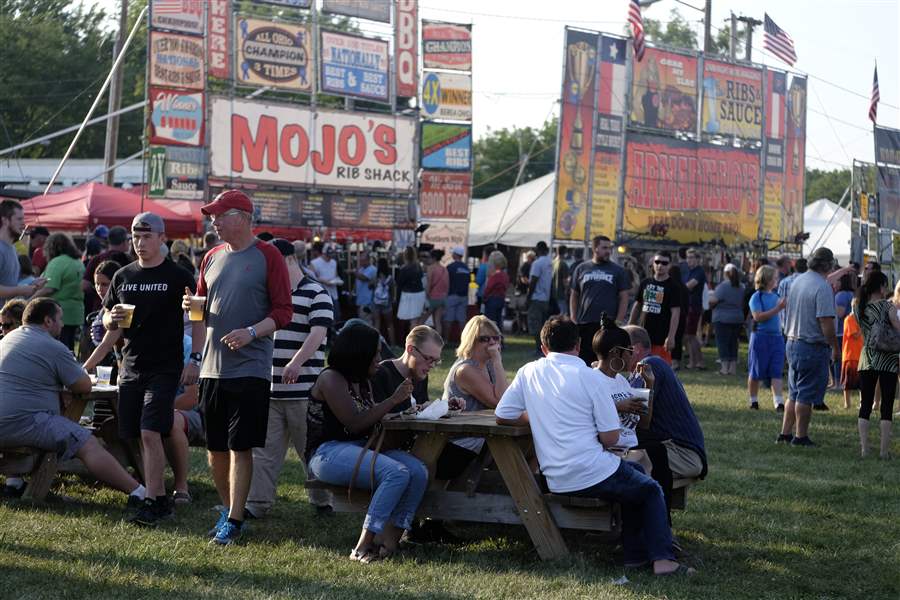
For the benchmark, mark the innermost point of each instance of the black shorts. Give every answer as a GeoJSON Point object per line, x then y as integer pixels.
{"type": "Point", "coordinates": [235, 412]}
{"type": "Point", "coordinates": [147, 404]}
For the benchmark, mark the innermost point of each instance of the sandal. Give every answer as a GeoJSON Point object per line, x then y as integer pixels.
{"type": "Point", "coordinates": [182, 498]}
{"type": "Point", "coordinates": [365, 556]}
{"type": "Point", "coordinates": [680, 571]}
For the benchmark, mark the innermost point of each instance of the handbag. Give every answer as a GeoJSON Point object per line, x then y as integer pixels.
{"type": "Point", "coordinates": [883, 336]}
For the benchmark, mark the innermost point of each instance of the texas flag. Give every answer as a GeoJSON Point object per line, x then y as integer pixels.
{"type": "Point", "coordinates": [612, 76]}
{"type": "Point", "coordinates": [775, 118]}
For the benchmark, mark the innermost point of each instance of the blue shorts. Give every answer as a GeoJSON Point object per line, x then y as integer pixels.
{"type": "Point", "coordinates": [766, 357]}
{"type": "Point", "coordinates": [455, 309]}
{"type": "Point", "coordinates": [808, 367]}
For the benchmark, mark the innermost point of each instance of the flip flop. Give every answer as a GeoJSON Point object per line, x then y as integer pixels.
{"type": "Point", "coordinates": [680, 571]}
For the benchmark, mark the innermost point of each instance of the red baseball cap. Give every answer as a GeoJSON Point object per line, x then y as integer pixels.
{"type": "Point", "coordinates": [228, 200]}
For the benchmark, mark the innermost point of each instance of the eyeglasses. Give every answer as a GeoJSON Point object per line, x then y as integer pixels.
{"type": "Point", "coordinates": [431, 360]}
{"type": "Point", "coordinates": [487, 339]}
{"type": "Point", "coordinates": [660, 262]}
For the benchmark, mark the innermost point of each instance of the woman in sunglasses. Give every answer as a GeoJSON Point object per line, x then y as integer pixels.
{"type": "Point", "coordinates": [11, 315]}
{"type": "Point", "coordinates": [478, 379]}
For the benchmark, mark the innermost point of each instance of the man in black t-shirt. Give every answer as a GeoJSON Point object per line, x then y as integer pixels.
{"type": "Point", "coordinates": [152, 363]}
{"type": "Point", "coordinates": [657, 307]}
{"type": "Point", "coordinates": [422, 352]}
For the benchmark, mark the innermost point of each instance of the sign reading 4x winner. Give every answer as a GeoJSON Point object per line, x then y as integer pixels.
{"type": "Point", "coordinates": [273, 54]}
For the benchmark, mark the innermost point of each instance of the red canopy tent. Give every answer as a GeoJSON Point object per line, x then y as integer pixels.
{"type": "Point", "coordinates": [83, 207]}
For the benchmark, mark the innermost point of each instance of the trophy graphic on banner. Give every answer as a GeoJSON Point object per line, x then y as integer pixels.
{"type": "Point", "coordinates": [581, 61]}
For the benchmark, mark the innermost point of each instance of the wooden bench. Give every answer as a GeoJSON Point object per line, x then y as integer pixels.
{"type": "Point", "coordinates": [37, 465]}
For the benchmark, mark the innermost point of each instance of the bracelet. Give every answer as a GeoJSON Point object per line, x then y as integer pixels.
{"type": "Point", "coordinates": [252, 332]}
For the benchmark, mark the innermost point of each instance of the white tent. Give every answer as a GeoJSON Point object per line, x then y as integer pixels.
{"type": "Point", "coordinates": [522, 216]}
{"type": "Point", "coordinates": [828, 225]}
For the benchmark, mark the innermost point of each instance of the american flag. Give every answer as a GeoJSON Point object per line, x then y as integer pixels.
{"type": "Point", "coordinates": [174, 7]}
{"type": "Point", "coordinates": [779, 42]}
{"type": "Point", "coordinates": [876, 96]}
{"type": "Point", "coordinates": [637, 28]}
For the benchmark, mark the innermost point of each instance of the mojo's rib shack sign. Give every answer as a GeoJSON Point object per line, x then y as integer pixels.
{"type": "Point", "coordinates": [290, 144]}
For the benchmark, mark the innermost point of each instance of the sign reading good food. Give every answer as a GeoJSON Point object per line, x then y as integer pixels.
{"type": "Point", "coordinates": [177, 61]}
{"type": "Point", "coordinates": [176, 117]}
{"type": "Point", "coordinates": [447, 96]}
{"type": "Point", "coordinates": [273, 54]}
{"type": "Point", "coordinates": [354, 66]}
{"type": "Point", "coordinates": [445, 195]}
{"type": "Point", "coordinates": [292, 144]}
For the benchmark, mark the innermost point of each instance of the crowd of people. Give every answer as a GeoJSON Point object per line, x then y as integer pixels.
{"type": "Point", "coordinates": [247, 353]}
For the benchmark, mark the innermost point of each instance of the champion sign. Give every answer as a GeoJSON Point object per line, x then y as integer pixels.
{"type": "Point", "coordinates": [176, 117]}
{"type": "Point", "coordinates": [274, 55]}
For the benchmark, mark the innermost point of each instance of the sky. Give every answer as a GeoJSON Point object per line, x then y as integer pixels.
{"type": "Point", "coordinates": [518, 48]}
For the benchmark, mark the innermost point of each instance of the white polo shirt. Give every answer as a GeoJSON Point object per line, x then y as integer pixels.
{"type": "Point", "coordinates": [568, 404]}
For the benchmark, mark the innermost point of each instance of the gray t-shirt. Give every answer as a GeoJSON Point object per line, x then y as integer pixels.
{"type": "Point", "coordinates": [34, 367]}
{"type": "Point", "coordinates": [242, 288]}
{"type": "Point", "coordinates": [542, 270]}
{"type": "Point", "coordinates": [9, 265]}
{"type": "Point", "coordinates": [730, 305]}
{"type": "Point", "coordinates": [598, 286]}
{"type": "Point", "coordinates": [810, 298]}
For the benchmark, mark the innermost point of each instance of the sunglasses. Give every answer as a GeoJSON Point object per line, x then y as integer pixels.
{"type": "Point", "coordinates": [660, 262]}
{"type": "Point", "coordinates": [7, 325]}
{"type": "Point", "coordinates": [487, 339]}
{"type": "Point", "coordinates": [431, 360]}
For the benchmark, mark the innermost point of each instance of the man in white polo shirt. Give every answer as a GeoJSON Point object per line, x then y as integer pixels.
{"type": "Point", "coordinates": [573, 421]}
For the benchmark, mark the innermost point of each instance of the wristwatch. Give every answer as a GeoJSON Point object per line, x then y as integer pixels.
{"type": "Point", "coordinates": [196, 358]}
{"type": "Point", "coordinates": [252, 332]}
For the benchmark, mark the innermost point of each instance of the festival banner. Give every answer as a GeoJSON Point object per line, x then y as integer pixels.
{"type": "Point", "coordinates": [605, 194]}
{"type": "Point", "coordinates": [889, 198]}
{"type": "Point", "coordinates": [701, 192]}
{"type": "Point", "coordinates": [795, 158]}
{"type": "Point", "coordinates": [732, 100]}
{"type": "Point", "coordinates": [447, 96]}
{"type": "Point", "coordinates": [273, 54]}
{"type": "Point", "coordinates": [406, 48]}
{"type": "Point", "coordinates": [446, 147]}
{"type": "Point", "coordinates": [374, 10]}
{"type": "Point", "coordinates": [185, 16]}
{"type": "Point", "coordinates": [776, 87]}
{"type": "Point", "coordinates": [348, 211]}
{"type": "Point", "coordinates": [176, 117]}
{"type": "Point", "coordinates": [290, 144]}
{"type": "Point", "coordinates": [218, 18]}
{"type": "Point", "coordinates": [664, 91]}
{"type": "Point", "coordinates": [291, 3]}
{"type": "Point", "coordinates": [575, 136]}
{"type": "Point", "coordinates": [446, 46]}
{"type": "Point", "coordinates": [177, 61]}
{"type": "Point", "coordinates": [445, 195]}
{"type": "Point", "coordinates": [177, 173]}
{"type": "Point", "coordinates": [446, 235]}
{"type": "Point", "coordinates": [354, 66]}
{"type": "Point", "coordinates": [887, 145]}
{"type": "Point", "coordinates": [772, 206]}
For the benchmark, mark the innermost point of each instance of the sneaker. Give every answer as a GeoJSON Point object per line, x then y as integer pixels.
{"type": "Point", "coordinates": [779, 408]}
{"type": "Point", "coordinates": [135, 503]}
{"type": "Point", "coordinates": [802, 441]}
{"type": "Point", "coordinates": [784, 438]}
{"type": "Point", "coordinates": [223, 518]}
{"type": "Point", "coordinates": [754, 406]}
{"type": "Point", "coordinates": [227, 534]}
{"type": "Point", "coordinates": [11, 491]}
{"type": "Point", "coordinates": [822, 406]}
{"type": "Point", "coordinates": [151, 514]}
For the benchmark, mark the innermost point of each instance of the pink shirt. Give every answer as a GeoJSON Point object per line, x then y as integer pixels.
{"type": "Point", "coordinates": [438, 282]}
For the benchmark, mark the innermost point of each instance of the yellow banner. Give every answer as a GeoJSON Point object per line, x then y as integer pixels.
{"type": "Point", "coordinates": [605, 194]}
{"type": "Point", "coordinates": [773, 208]}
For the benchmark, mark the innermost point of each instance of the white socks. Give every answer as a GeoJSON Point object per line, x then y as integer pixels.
{"type": "Point", "coordinates": [754, 400]}
{"type": "Point", "coordinates": [779, 400]}
{"type": "Point", "coordinates": [15, 482]}
{"type": "Point", "coordinates": [140, 491]}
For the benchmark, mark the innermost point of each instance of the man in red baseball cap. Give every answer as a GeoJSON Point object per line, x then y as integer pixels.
{"type": "Point", "coordinates": [228, 200]}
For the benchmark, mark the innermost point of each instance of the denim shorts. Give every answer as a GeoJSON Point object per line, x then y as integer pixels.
{"type": "Point", "coordinates": [808, 367]}
{"type": "Point", "coordinates": [766, 358]}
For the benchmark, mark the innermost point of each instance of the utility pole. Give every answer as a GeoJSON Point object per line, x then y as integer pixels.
{"type": "Point", "coordinates": [707, 27]}
{"type": "Point", "coordinates": [749, 23]}
{"type": "Point", "coordinates": [115, 101]}
{"type": "Point", "coordinates": [732, 39]}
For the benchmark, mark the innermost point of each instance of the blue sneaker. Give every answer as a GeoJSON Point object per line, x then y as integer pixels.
{"type": "Point", "coordinates": [223, 518]}
{"type": "Point", "coordinates": [228, 534]}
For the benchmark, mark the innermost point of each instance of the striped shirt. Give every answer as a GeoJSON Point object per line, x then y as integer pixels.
{"type": "Point", "coordinates": [312, 307]}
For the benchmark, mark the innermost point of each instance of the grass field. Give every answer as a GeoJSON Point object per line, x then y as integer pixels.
{"type": "Point", "coordinates": [769, 522]}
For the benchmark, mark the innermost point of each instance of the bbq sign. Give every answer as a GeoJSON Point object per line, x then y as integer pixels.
{"type": "Point", "coordinates": [176, 117]}
{"type": "Point", "coordinates": [273, 54]}
{"type": "Point", "coordinates": [292, 144]}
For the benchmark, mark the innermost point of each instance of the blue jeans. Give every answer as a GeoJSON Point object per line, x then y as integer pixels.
{"type": "Point", "coordinates": [493, 310]}
{"type": "Point", "coordinates": [808, 366]}
{"type": "Point", "coordinates": [727, 340]}
{"type": "Point", "coordinates": [400, 480]}
{"type": "Point", "coordinates": [645, 521]}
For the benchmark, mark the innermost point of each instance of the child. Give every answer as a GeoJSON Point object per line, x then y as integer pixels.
{"type": "Point", "coordinates": [766, 357]}
{"type": "Point", "coordinates": [852, 348]}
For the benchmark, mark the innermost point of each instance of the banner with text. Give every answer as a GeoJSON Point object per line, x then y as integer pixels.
{"type": "Point", "coordinates": [290, 144]}
{"type": "Point", "coordinates": [177, 61]}
{"type": "Point", "coordinates": [445, 195]}
{"type": "Point", "coordinates": [446, 147]}
{"type": "Point", "coordinates": [176, 117]}
{"type": "Point", "coordinates": [889, 198]}
{"type": "Point", "coordinates": [887, 145]}
{"type": "Point", "coordinates": [177, 173]}
{"type": "Point", "coordinates": [374, 10]}
{"type": "Point", "coordinates": [406, 48]}
{"type": "Point", "coordinates": [273, 55]}
{"type": "Point", "coordinates": [701, 192]}
{"type": "Point", "coordinates": [218, 21]}
{"type": "Point", "coordinates": [291, 3]}
{"type": "Point", "coordinates": [795, 158]}
{"type": "Point", "coordinates": [446, 46]}
{"type": "Point", "coordinates": [732, 100]}
{"type": "Point", "coordinates": [664, 91]}
{"type": "Point", "coordinates": [354, 66]}
{"type": "Point", "coordinates": [446, 235]}
{"type": "Point", "coordinates": [447, 96]}
{"type": "Point", "coordinates": [177, 15]}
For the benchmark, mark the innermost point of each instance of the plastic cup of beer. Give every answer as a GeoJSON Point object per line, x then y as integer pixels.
{"type": "Point", "coordinates": [104, 375]}
{"type": "Point", "coordinates": [197, 304]}
{"type": "Point", "coordinates": [129, 314]}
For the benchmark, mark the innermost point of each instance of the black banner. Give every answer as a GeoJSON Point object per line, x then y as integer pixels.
{"type": "Point", "coordinates": [889, 198]}
{"type": "Point", "coordinates": [887, 145]}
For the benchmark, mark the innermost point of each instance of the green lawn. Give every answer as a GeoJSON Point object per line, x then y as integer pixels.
{"type": "Point", "coordinates": [769, 522]}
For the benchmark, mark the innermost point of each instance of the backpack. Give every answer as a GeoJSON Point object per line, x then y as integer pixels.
{"type": "Point", "coordinates": [382, 295]}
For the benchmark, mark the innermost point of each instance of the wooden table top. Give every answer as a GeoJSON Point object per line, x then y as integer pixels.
{"type": "Point", "coordinates": [475, 423]}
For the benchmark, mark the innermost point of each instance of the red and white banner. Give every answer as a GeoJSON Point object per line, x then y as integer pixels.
{"type": "Point", "coordinates": [177, 61]}
{"type": "Point", "coordinates": [406, 45]}
{"type": "Point", "coordinates": [447, 46]}
{"type": "Point", "coordinates": [445, 195]}
{"type": "Point", "coordinates": [177, 15]}
{"type": "Point", "coordinates": [217, 44]}
{"type": "Point", "coordinates": [291, 144]}
{"type": "Point", "coordinates": [176, 117]}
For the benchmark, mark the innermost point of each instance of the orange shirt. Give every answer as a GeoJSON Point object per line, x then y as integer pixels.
{"type": "Point", "coordinates": [852, 339]}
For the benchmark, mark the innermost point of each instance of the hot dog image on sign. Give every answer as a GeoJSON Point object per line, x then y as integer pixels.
{"type": "Point", "coordinates": [176, 117]}
{"type": "Point", "coordinates": [273, 54]}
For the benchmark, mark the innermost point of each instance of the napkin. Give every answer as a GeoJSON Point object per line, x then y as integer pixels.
{"type": "Point", "coordinates": [435, 410]}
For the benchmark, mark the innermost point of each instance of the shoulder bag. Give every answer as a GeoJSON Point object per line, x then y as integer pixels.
{"type": "Point", "coordinates": [882, 335]}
